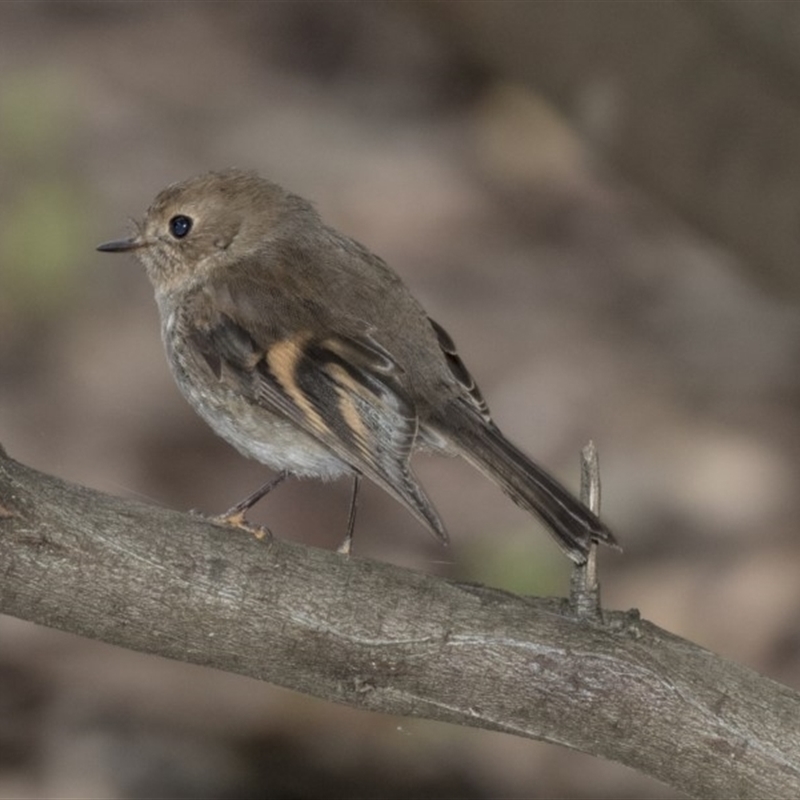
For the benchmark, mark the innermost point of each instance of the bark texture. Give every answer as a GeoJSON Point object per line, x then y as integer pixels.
{"type": "Point", "coordinates": [378, 637]}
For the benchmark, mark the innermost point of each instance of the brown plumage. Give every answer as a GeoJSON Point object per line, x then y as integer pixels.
{"type": "Point", "coordinates": [308, 353]}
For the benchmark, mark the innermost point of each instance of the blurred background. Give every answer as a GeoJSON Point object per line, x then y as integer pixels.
{"type": "Point", "coordinates": [599, 201]}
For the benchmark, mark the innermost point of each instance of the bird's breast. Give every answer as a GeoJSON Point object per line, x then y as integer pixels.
{"type": "Point", "coordinates": [254, 430]}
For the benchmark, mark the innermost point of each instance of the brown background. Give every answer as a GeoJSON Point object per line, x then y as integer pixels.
{"type": "Point", "coordinates": [597, 285]}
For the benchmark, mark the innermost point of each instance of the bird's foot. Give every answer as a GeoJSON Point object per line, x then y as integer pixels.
{"type": "Point", "coordinates": [235, 518]}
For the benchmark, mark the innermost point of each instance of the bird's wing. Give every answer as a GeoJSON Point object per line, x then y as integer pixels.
{"type": "Point", "coordinates": [344, 390]}
{"type": "Point", "coordinates": [458, 369]}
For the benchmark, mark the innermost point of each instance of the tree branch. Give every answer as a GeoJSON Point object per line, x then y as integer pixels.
{"type": "Point", "coordinates": [387, 639]}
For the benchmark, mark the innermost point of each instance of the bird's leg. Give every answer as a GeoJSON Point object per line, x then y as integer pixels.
{"type": "Point", "coordinates": [344, 547]}
{"type": "Point", "coordinates": [236, 516]}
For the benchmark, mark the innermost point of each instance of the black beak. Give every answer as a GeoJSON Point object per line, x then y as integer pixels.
{"type": "Point", "coordinates": [120, 246]}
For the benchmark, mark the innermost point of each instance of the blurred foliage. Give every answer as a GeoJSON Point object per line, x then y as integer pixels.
{"type": "Point", "coordinates": [33, 112]}
{"type": "Point", "coordinates": [43, 219]}
{"type": "Point", "coordinates": [517, 562]}
{"type": "Point", "coordinates": [522, 138]}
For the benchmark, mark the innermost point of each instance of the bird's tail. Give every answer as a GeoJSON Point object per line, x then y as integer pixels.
{"type": "Point", "coordinates": [572, 524]}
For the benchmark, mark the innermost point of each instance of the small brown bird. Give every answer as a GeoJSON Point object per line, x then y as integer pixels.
{"type": "Point", "coordinates": [308, 353]}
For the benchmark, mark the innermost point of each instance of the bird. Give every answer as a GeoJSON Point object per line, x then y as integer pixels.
{"type": "Point", "coordinates": [308, 353]}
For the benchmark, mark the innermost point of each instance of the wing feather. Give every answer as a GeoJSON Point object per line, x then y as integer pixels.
{"type": "Point", "coordinates": [345, 391]}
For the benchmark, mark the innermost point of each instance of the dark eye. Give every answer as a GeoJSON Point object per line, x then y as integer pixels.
{"type": "Point", "coordinates": [180, 225]}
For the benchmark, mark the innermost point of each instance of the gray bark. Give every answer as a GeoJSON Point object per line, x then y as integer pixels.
{"type": "Point", "coordinates": [378, 637]}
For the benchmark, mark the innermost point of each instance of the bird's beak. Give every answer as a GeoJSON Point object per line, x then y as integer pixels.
{"type": "Point", "coordinates": [122, 245]}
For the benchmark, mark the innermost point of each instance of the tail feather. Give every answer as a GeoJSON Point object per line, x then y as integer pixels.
{"type": "Point", "coordinates": [572, 524]}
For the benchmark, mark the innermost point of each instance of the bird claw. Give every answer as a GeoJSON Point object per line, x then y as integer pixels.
{"type": "Point", "coordinates": [345, 547]}
{"type": "Point", "coordinates": [237, 520]}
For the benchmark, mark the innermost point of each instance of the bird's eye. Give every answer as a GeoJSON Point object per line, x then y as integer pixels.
{"type": "Point", "coordinates": [180, 225]}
